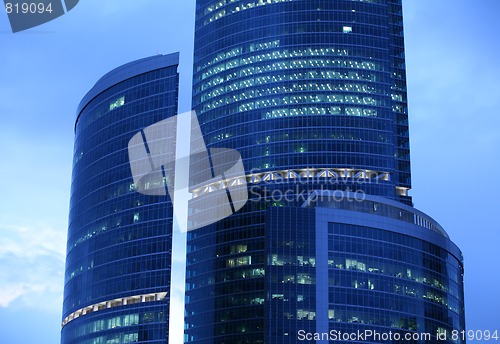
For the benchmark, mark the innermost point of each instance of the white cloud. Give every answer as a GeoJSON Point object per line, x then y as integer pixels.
{"type": "Point", "coordinates": [31, 266]}
{"type": "Point", "coordinates": [10, 293]}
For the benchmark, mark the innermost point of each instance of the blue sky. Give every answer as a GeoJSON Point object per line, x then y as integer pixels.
{"type": "Point", "coordinates": [453, 83]}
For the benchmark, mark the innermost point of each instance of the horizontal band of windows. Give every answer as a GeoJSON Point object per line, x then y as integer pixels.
{"type": "Point", "coordinates": [238, 7]}
{"type": "Point", "coordinates": [238, 51]}
{"type": "Point", "coordinates": [149, 220]}
{"type": "Point", "coordinates": [252, 85]}
{"type": "Point", "coordinates": [378, 317]}
{"type": "Point", "coordinates": [112, 304]}
{"type": "Point", "coordinates": [223, 8]}
{"type": "Point", "coordinates": [366, 235]}
{"type": "Point", "coordinates": [226, 276]}
{"type": "Point", "coordinates": [250, 54]}
{"type": "Point", "coordinates": [381, 288]}
{"type": "Point", "coordinates": [127, 327]}
{"type": "Point", "coordinates": [112, 266]}
{"type": "Point", "coordinates": [393, 320]}
{"type": "Point", "coordinates": [296, 111]}
{"type": "Point", "coordinates": [384, 266]}
{"type": "Point", "coordinates": [377, 300]}
{"type": "Point", "coordinates": [264, 177]}
{"type": "Point", "coordinates": [271, 55]}
{"type": "Point", "coordinates": [283, 64]}
{"type": "Point", "coordinates": [316, 111]}
{"type": "Point", "coordinates": [323, 94]}
{"type": "Point", "coordinates": [310, 76]}
{"type": "Point", "coordinates": [294, 100]}
{"type": "Point", "coordinates": [293, 136]}
{"type": "Point", "coordinates": [118, 338]}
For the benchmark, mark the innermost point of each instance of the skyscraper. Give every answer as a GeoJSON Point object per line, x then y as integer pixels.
{"type": "Point", "coordinates": [117, 281]}
{"type": "Point", "coordinates": [312, 93]}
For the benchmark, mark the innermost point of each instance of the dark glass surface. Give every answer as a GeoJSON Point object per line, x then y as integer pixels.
{"type": "Point", "coordinates": [301, 84]}
{"type": "Point", "coordinates": [378, 280]}
{"type": "Point", "coordinates": [119, 241]}
{"type": "Point", "coordinates": [293, 85]}
{"type": "Point", "coordinates": [305, 84]}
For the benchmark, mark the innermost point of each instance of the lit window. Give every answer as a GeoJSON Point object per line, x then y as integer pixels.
{"type": "Point", "coordinates": [239, 261]}
{"type": "Point", "coordinates": [347, 29]}
{"type": "Point", "coordinates": [243, 260]}
{"type": "Point", "coordinates": [305, 314]}
{"type": "Point", "coordinates": [117, 103]}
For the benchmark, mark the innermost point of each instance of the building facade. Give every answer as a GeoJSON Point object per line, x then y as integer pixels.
{"type": "Point", "coordinates": [117, 279]}
{"type": "Point", "coordinates": [312, 93]}
{"type": "Point", "coordinates": [379, 268]}
{"type": "Point", "coordinates": [296, 84]}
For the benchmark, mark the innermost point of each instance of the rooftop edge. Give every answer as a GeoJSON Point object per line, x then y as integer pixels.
{"type": "Point", "coordinates": [124, 72]}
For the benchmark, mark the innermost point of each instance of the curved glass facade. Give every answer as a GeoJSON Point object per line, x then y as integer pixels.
{"type": "Point", "coordinates": [312, 93]}
{"type": "Point", "coordinates": [296, 84]}
{"type": "Point", "coordinates": [117, 281]}
{"type": "Point", "coordinates": [333, 272]}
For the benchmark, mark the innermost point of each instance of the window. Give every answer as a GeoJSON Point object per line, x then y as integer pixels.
{"type": "Point", "coordinates": [117, 103]}
{"type": "Point", "coordinates": [303, 314]}
{"type": "Point", "coordinates": [347, 29]}
{"type": "Point", "coordinates": [239, 249]}
{"type": "Point", "coordinates": [239, 261]}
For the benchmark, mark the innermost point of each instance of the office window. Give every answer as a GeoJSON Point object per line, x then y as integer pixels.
{"type": "Point", "coordinates": [347, 29]}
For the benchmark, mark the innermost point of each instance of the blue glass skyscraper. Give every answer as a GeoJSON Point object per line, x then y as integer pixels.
{"type": "Point", "coordinates": [312, 93]}
{"type": "Point", "coordinates": [117, 281]}
{"type": "Point", "coordinates": [306, 84]}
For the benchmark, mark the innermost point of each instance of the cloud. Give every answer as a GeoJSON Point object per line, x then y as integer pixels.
{"type": "Point", "coordinates": [9, 294]}
{"type": "Point", "coordinates": [31, 266]}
